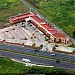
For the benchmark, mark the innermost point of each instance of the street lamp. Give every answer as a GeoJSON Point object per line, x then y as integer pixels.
{"type": "Point", "coordinates": [8, 45]}
{"type": "Point", "coordinates": [69, 57]}
{"type": "Point", "coordinates": [0, 54]}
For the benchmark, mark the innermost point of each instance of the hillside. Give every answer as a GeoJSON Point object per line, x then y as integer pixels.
{"type": "Point", "coordinates": [10, 8]}
{"type": "Point", "coordinates": [60, 12]}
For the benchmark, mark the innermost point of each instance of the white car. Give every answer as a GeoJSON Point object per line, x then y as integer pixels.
{"type": "Point", "coordinates": [53, 54]}
{"type": "Point", "coordinates": [26, 60]}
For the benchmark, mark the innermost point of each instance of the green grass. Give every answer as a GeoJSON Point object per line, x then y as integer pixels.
{"type": "Point", "coordinates": [60, 12]}
{"type": "Point", "coordinates": [9, 66]}
{"type": "Point", "coordinates": [72, 45]}
{"type": "Point", "coordinates": [10, 8]}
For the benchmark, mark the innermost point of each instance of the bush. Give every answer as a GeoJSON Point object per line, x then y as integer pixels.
{"type": "Point", "coordinates": [41, 46]}
{"type": "Point", "coordinates": [33, 45]}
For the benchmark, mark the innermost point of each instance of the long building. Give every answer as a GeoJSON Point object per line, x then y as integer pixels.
{"type": "Point", "coordinates": [53, 34]}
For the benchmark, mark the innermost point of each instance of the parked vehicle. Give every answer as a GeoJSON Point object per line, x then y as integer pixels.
{"type": "Point", "coordinates": [57, 61]}
{"type": "Point", "coordinates": [56, 46]}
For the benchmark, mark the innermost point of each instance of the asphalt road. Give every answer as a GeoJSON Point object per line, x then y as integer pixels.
{"type": "Point", "coordinates": [40, 53]}
{"type": "Point", "coordinates": [38, 60]}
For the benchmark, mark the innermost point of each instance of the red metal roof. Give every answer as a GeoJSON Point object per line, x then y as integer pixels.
{"type": "Point", "coordinates": [47, 27]}
{"type": "Point", "coordinates": [56, 33]}
{"type": "Point", "coordinates": [37, 19]}
{"type": "Point", "coordinates": [20, 17]}
{"type": "Point", "coordinates": [53, 31]}
{"type": "Point", "coordinates": [60, 35]}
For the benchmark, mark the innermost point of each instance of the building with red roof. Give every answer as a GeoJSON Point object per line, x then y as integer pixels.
{"type": "Point", "coordinates": [19, 18]}
{"type": "Point", "coordinates": [54, 35]}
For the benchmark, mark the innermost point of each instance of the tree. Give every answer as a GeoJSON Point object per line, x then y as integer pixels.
{"type": "Point", "coordinates": [54, 48]}
{"type": "Point", "coordinates": [74, 33]}
{"type": "Point", "coordinates": [33, 45]}
{"type": "Point", "coordinates": [46, 0]}
{"type": "Point", "coordinates": [41, 46]}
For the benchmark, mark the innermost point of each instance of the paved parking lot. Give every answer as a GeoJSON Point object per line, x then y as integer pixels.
{"type": "Point", "coordinates": [30, 28]}
{"type": "Point", "coordinates": [25, 33]}
{"type": "Point", "coordinates": [22, 33]}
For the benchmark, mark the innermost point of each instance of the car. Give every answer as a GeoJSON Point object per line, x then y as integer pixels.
{"type": "Point", "coordinates": [34, 29]}
{"type": "Point", "coordinates": [26, 60]}
{"type": "Point", "coordinates": [53, 54]}
{"type": "Point", "coordinates": [57, 61]}
{"type": "Point", "coordinates": [56, 46]}
{"type": "Point", "coordinates": [30, 24]}
{"type": "Point", "coordinates": [35, 50]}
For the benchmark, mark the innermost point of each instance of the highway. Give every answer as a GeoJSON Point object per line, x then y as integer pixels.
{"type": "Point", "coordinates": [38, 60]}
{"type": "Point", "coordinates": [40, 53]}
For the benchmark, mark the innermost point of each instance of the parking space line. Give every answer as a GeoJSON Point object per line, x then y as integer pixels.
{"type": "Point", "coordinates": [20, 32]}
{"type": "Point", "coordinates": [5, 34]}
{"type": "Point", "coordinates": [25, 32]}
{"type": "Point", "coordinates": [32, 33]}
